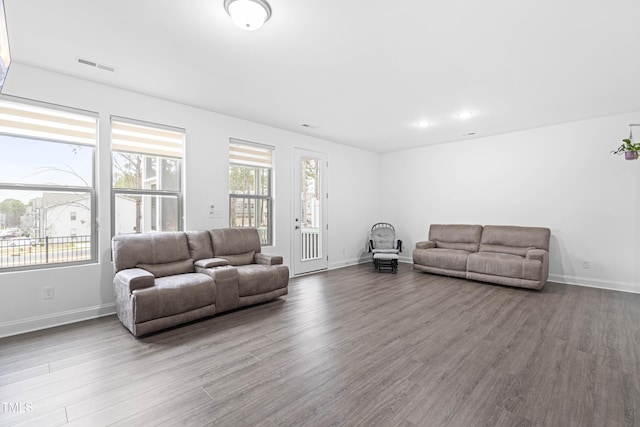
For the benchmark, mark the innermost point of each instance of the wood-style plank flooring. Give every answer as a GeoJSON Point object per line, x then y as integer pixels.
{"type": "Point", "coordinates": [346, 347]}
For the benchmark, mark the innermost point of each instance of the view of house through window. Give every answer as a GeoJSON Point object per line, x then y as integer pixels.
{"type": "Point", "coordinates": [147, 188]}
{"type": "Point", "coordinates": [47, 194]}
{"type": "Point", "coordinates": [250, 188]}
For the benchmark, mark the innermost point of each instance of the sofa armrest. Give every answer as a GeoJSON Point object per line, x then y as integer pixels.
{"type": "Point", "coordinates": [265, 259]}
{"type": "Point", "coordinates": [131, 279]}
{"type": "Point", "coordinates": [537, 254]}
{"type": "Point", "coordinates": [219, 273]}
{"type": "Point", "coordinates": [211, 262]}
{"type": "Point", "coordinates": [425, 245]}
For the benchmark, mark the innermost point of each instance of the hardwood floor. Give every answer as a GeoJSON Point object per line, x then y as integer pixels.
{"type": "Point", "coordinates": [346, 347]}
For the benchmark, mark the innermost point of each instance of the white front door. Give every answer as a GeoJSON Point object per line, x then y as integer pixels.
{"type": "Point", "coordinates": [310, 212]}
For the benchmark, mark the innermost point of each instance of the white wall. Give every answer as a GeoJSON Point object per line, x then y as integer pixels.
{"type": "Point", "coordinates": [562, 177]}
{"type": "Point", "coordinates": [86, 291]}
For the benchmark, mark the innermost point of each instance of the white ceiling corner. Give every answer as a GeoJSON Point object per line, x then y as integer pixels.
{"type": "Point", "coordinates": [361, 72]}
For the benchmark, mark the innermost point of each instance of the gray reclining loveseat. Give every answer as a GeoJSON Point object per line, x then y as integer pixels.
{"type": "Point", "coordinates": [505, 255]}
{"type": "Point", "coordinates": [168, 278]}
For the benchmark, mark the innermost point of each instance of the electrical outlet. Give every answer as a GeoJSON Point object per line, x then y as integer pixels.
{"type": "Point", "coordinates": [586, 265]}
{"type": "Point", "coordinates": [47, 293]}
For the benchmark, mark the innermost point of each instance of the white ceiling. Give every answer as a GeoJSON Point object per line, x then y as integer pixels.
{"type": "Point", "coordinates": [360, 72]}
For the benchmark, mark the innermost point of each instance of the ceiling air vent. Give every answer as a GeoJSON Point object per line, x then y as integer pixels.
{"type": "Point", "coordinates": [96, 65]}
{"type": "Point", "coordinates": [105, 67]}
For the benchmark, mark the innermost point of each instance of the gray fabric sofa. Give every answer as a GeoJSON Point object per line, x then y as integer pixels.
{"type": "Point", "coordinates": [505, 255]}
{"type": "Point", "coordinates": [168, 278]}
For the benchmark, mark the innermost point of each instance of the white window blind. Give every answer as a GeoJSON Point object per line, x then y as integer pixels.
{"type": "Point", "coordinates": [27, 120]}
{"type": "Point", "coordinates": [155, 141]}
{"type": "Point", "coordinates": [48, 166]}
{"type": "Point", "coordinates": [247, 154]}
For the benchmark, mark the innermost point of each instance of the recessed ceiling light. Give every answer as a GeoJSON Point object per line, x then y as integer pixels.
{"type": "Point", "coordinates": [465, 115]}
{"type": "Point", "coordinates": [422, 124]}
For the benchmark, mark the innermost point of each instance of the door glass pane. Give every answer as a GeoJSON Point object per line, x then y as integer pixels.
{"type": "Point", "coordinates": [310, 201]}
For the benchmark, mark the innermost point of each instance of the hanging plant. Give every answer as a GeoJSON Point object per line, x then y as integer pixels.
{"type": "Point", "coordinates": [628, 148]}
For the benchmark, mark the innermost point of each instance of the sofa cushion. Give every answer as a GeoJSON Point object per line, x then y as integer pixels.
{"type": "Point", "coordinates": [239, 259]}
{"type": "Point", "coordinates": [234, 241]}
{"type": "Point", "coordinates": [199, 244]}
{"type": "Point", "coordinates": [455, 233]}
{"type": "Point", "coordinates": [508, 235]}
{"type": "Point", "coordinates": [469, 247]}
{"type": "Point", "coordinates": [448, 259]}
{"type": "Point", "coordinates": [173, 295]}
{"type": "Point", "coordinates": [506, 265]}
{"type": "Point", "coordinates": [169, 268]}
{"type": "Point", "coordinates": [130, 250]}
{"type": "Point", "coordinates": [256, 279]}
{"type": "Point", "coordinates": [502, 249]}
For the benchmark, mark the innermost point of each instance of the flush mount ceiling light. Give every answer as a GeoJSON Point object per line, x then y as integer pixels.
{"type": "Point", "coordinates": [248, 14]}
{"type": "Point", "coordinates": [465, 115]}
{"type": "Point", "coordinates": [423, 124]}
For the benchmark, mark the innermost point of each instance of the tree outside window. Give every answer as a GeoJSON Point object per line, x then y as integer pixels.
{"type": "Point", "coordinates": [250, 188]}
{"type": "Point", "coordinates": [147, 161]}
{"type": "Point", "coordinates": [46, 185]}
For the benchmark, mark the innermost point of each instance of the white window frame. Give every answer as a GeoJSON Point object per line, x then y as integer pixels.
{"type": "Point", "coordinates": [159, 151]}
{"type": "Point", "coordinates": [257, 156]}
{"type": "Point", "coordinates": [36, 126]}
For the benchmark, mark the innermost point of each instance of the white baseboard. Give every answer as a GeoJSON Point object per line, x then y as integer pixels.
{"type": "Point", "coordinates": [348, 263]}
{"type": "Point", "coordinates": [365, 260]}
{"type": "Point", "coordinates": [56, 319]}
{"type": "Point", "coordinates": [591, 283]}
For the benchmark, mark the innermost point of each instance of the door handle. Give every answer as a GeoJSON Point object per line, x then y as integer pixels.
{"type": "Point", "coordinates": [297, 227]}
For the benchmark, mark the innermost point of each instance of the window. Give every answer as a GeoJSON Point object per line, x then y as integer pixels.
{"type": "Point", "coordinates": [46, 177]}
{"type": "Point", "coordinates": [74, 216]}
{"type": "Point", "coordinates": [250, 188]}
{"type": "Point", "coordinates": [146, 177]}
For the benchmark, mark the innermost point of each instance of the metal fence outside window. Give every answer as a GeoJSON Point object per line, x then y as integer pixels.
{"type": "Point", "coordinates": [27, 251]}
